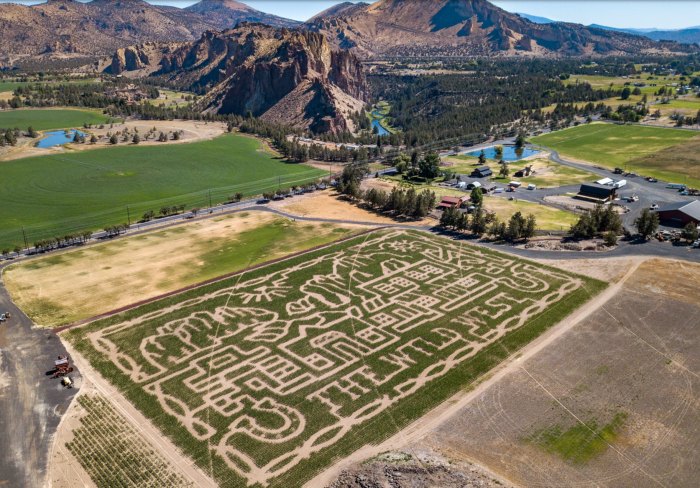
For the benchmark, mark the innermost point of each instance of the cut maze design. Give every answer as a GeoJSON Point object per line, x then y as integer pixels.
{"type": "Point", "coordinates": [272, 369]}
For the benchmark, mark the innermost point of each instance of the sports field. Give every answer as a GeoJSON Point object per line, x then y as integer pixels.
{"type": "Point", "coordinates": [625, 146]}
{"type": "Point", "coordinates": [66, 192]}
{"type": "Point", "coordinates": [270, 376]}
{"type": "Point", "coordinates": [45, 119]}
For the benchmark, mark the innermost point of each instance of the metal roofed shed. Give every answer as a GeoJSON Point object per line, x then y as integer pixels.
{"type": "Point", "coordinates": [680, 213]}
{"type": "Point", "coordinates": [481, 172]}
{"type": "Point", "coordinates": [596, 193]}
{"type": "Point", "coordinates": [605, 181]}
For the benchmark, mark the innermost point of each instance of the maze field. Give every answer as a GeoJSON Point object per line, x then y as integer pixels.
{"type": "Point", "coordinates": [268, 377]}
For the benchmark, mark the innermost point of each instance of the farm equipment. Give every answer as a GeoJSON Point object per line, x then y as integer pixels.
{"type": "Point", "coordinates": [62, 367]}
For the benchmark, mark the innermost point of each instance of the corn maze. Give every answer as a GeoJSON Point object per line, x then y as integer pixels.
{"type": "Point", "coordinates": [114, 454]}
{"type": "Point", "coordinates": [272, 374]}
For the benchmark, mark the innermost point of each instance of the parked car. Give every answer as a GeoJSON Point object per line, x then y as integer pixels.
{"type": "Point", "coordinates": [654, 206]}
{"type": "Point", "coordinates": [696, 244]}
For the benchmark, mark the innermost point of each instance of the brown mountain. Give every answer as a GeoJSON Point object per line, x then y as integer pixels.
{"type": "Point", "coordinates": [467, 28]}
{"type": "Point", "coordinates": [99, 27]}
{"type": "Point", "coordinates": [281, 75]}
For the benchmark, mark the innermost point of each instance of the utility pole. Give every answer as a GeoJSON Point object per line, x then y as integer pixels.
{"type": "Point", "coordinates": [26, 244]}
{"type": "Point", "coordinates": [210, 199]}
{"type": "Point", "coordinates": [128, 216]}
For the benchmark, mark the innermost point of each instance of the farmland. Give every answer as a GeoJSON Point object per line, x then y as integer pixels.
{"type": "Point", "coordinates": [81, 283]}
{"type": "Point", "coordinates": [67, 192]}
{"type": "Point", "coordinates": [269, 376]}
{"type": "Point", "coordinates": [113, 453]}
{"type": "Point", "coordinates": [627, 146]}
{"type": "Point", "coordinates": [45, 119]}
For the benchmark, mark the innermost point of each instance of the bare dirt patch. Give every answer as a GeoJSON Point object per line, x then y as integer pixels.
{"type": "Point", "coordinates": [328, 205]}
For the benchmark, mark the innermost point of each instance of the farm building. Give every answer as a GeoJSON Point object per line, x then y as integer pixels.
{"type": "Point", "coordinates": [452, 202]}
{"type": "Point", "coordinates": [680, 213]}
{"type": "Point", "coordinates": [596, 193]}
{"type": "Point", "coordinates": [481, 172]}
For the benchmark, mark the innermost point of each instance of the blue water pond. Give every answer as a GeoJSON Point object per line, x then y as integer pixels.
{"type": "Point", "coordinates": [57, 138]}
{"type": "Point", "coordinates": [509, 153]}
{"type": "Point", "coordinates": [376, 125]}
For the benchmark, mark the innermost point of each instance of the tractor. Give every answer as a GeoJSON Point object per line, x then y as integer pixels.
{"type": "Point", "coordinates": [62, 367]}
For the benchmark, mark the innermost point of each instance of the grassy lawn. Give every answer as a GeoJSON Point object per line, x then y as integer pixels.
{"type": "Point", "coordinates": [67, 192]}
{"type": "Point", "coordinates": [10, 86]}
{"type": "Point", "coordinates": [548, 218]}
{"type": "Point", "coordinates": [171, 98]}
{"type": "Point", "coordinates": [81, 283]}
{"type": "Point", "coordinates": [267, 378]}
{"type": "Point", "coordinates": [611, 146]}
{"type": "Point", "coordinates": [45, 119]}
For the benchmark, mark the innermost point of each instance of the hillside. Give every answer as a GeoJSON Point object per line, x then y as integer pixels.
{"type": "Point", "coordinates": [72, 28]}
{"type": "Point", "coordinates": [467, 28]}
{"type": "Point", "coordinates": [286, 76]}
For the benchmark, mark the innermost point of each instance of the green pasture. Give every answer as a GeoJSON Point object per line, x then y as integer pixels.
{"type": "Point", "coordinates": [625, 146]}
{"type": "Point", "coordinates": [71, 191]}
{"type": "Point", "coordinates": [45, 119]}
{"type": "Point", "coordinates": [262, 317]}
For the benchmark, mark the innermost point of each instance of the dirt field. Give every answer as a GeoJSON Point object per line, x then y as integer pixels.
{"type": "Point", "coordinates": [613, 402]}
{"type": "Point", "coordinates": [327, 205]}
{"type": "Point", "coordinates": [191, 131]}
{"type": "Point", "coordinates": [81, 283]}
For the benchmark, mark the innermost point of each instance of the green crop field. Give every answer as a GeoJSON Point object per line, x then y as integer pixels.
{"type": "Point", "coordinates": [625, 146]}
{"type": "Point", "coordinates": [270, 376]}
{"type": "Point", "coordinates": [58, 194]}
{"type": "Point", "coordinates": [45, 119]}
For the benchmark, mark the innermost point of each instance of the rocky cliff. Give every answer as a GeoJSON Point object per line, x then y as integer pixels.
{"type": "Point", "coordinates": [287, 76]}
{"type": "Point", "coordinates": [467, 28]}
{"type": "Point", "coordinates": [99, 27]}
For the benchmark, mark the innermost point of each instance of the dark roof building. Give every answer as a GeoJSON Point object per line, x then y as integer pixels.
{"type": "Point", "coordinates": [680, 213]}
{"type": "Point", "coordinates": [596, 192]}
{"type": "Point", "coordinates": [452, 202]}
{"type": "Point", "coordinates": [481, 172]}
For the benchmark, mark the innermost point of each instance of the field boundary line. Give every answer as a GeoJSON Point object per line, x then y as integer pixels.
{"type": "Point", "coordinates": [210, 281]}
{"type": "Point", "coordinates": [436, 416]}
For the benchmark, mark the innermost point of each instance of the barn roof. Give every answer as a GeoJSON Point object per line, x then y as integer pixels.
{"type": "Point", "coordinates": [691, 208]}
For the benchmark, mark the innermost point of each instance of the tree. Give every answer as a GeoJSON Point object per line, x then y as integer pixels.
{"type": "Point", "coordinates": [626, 92]}
{"type": "Point", "coordinates": [482, 158]}
{"type": "Point", "coordinates": [17, 250]}
{"type": "Point", "coordinates": [690, 232]}
{"type": "Point", "coordinates": [350, 179]}
{"type": "Point", "coordinates": [520, 141]}
{"type": "Point", "coordinates": [479, 221]}
{"type": "Point", "coordinates": [136, 139]}
{"type": "Point", "coordinates": [93, 139]}
{"type": "Point", "coordinates": [477, 197]}
{"type": "Point", "coordinates": [449, 218]}
{"type": "Point", "coordinates": [114, 139]}
{"type": "Point", "coordinates": [31, 132]}
{"type": "Point", "coordinates": [647, 223]}
{"type": "Point", "coordinates": [504, 171]}
{"type": "Point", "coordinates": [429, 166]}
{"type": "Point", "coordinates": [499, 151]}
{"type": "Point", "coordinates": [610, 239]}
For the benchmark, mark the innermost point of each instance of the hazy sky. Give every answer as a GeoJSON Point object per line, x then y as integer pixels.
{"type": "Point", "coordinates": [665, 14]}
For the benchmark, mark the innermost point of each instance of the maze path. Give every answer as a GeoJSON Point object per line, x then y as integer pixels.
{"type": "Point", "coordinates": [275, 368]}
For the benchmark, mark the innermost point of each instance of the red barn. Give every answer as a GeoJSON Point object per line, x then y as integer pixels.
{"type": "Point", "coordinates": [680, 213]}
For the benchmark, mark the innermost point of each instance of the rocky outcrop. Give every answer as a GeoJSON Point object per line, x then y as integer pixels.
{"type": "Point", "coordinates": [468, 28]}
{"type": "Point", "coordinates": [287, 76]}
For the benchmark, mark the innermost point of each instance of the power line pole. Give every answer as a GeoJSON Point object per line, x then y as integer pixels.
{"type": "Point", "coordinates": [128, 216]}
{"type": "Point", "coordinates": [26, 244]}
{"type": "Point", "coordinates": [209, 198]}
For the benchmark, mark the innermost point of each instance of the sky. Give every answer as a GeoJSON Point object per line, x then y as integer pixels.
{"type": "Point", "coordinates": [662, 14]}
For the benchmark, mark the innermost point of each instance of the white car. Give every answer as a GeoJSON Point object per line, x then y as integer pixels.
{"type": "Point", "coordinates": [654, 206]}
{"type": "Point", "coordinates": [696, 244]}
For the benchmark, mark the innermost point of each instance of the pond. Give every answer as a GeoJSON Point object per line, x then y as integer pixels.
{"type": "Point", "coordinates": [509, 153]}
{"type": "Point", "coordinates": [376, 118]}
{"type": "Point", "coordinates": [57, 138]}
